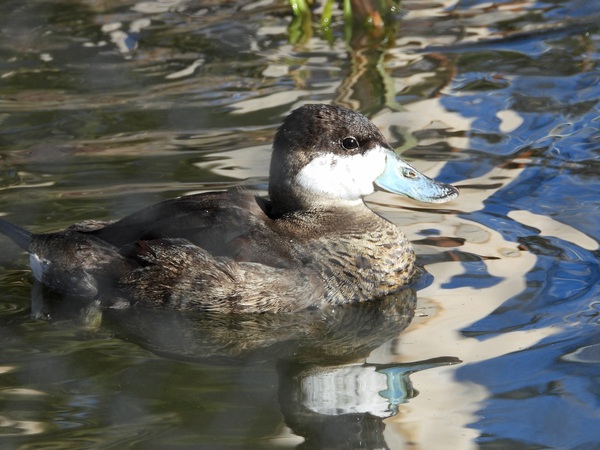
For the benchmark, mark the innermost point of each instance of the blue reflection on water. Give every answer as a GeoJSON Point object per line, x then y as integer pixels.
{"type": "Point", "coordinates": [540, 396]}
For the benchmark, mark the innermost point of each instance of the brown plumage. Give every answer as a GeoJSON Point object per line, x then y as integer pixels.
{"type": "Point", "coordinates": [314, 242]}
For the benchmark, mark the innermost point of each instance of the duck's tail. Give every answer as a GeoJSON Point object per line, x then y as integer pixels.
{"type": "Point", "coordinates": [19, 235]}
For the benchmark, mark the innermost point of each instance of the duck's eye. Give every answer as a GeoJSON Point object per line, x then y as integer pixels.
{"type": "Point", "coordinates": [350, 143]}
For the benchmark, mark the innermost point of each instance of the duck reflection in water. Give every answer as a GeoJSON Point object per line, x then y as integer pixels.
{"type": "Point", "coordinates": [328, 394]}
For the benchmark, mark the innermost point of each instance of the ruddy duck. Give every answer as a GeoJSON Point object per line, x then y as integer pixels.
{"type": "Point", "coordinates": [313, 242]}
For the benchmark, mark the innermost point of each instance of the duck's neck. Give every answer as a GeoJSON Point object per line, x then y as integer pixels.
{"type": "Point", "coordinates": [290, 201]}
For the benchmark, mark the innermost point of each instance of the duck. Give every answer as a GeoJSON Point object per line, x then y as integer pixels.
{"type": "Point", "coordinates": [312, 242]}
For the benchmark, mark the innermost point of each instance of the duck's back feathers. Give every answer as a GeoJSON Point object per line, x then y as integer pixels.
{"type": "Point", "coordinates": [230, 223]}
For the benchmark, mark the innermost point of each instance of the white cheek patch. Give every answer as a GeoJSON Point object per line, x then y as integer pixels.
{"type": "Point", "coordinates": [343, 177]}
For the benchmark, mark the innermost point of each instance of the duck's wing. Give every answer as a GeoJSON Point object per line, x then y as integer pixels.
{"type": "Point", "coordinates": [178, 275]}
{"type": "Point", "coordinates": [230, 223]}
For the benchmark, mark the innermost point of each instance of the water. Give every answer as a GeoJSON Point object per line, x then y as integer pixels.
{"type": "Point", "coordinates": [109, 106]}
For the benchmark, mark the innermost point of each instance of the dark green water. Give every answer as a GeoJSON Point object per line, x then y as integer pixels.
{"type": "Point", "coordinates": [106, 107]}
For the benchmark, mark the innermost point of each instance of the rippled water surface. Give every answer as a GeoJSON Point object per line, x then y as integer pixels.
{"type": "Point", "coordinates": [109, 106]}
